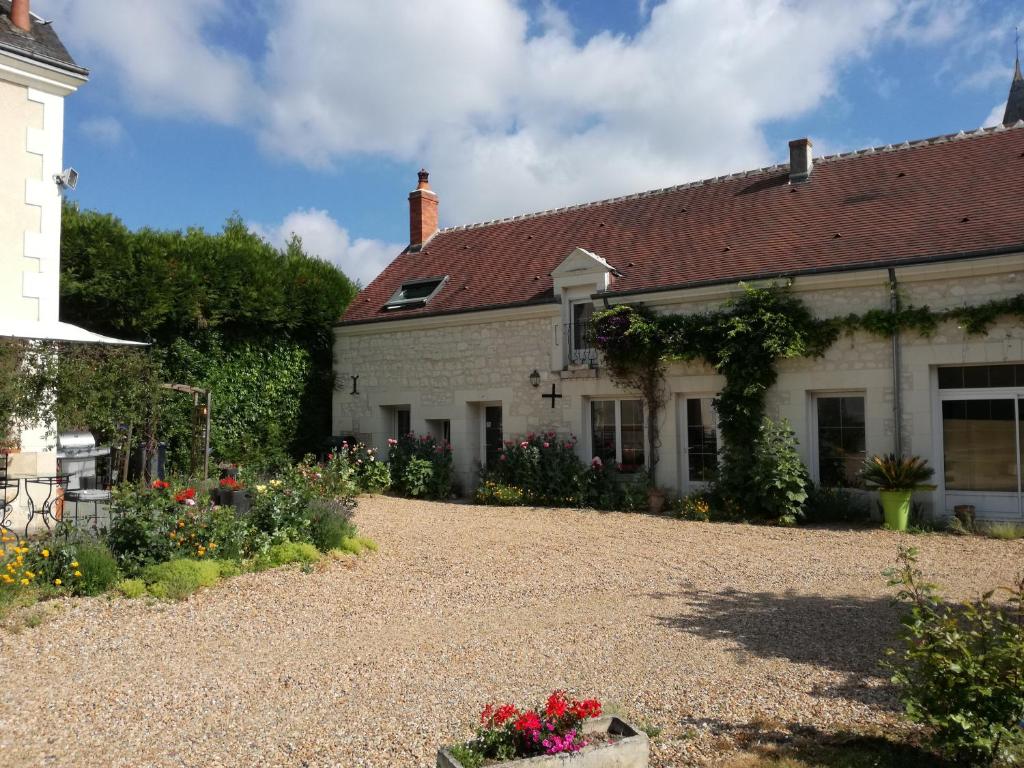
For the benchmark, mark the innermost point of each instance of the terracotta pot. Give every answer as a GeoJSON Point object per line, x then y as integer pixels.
{"type": "Point", "coordinates": [965, 514]}
{"type": "Point", "coordinates": [655, 501]}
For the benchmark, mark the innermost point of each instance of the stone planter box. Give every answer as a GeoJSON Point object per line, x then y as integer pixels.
{"type": "Point", "coordinates": [631, 751]}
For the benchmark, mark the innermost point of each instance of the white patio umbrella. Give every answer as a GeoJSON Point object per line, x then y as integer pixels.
{"type": "Point", "coordinates": [57, 331]}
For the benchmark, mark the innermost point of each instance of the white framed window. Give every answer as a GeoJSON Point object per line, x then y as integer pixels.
{"type": "Point", "coordinates": [618, 433]}
{"type": "Point", "coordinates": [838, 438]}
{"type": "Point", "coordinates": [701, 438]}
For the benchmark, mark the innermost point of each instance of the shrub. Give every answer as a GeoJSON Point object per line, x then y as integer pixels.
{"type": "Point", "coordinates": [544, 466]}
{"type": "Point", "coordinates": [371, 475]}
{"type": "Point", "coordinates": [284, 553]}
{"type": "Point", "coordinates": [410, 474]}
{"type": "Point", "coordinates": [98, 568]}
{"type": "Point", "coordinates": [132, 588]}
{"type": "Point", "coordinates": [417, 477]}
{"type": "Point", "coordinates": [695, 506]}
{"type": "Point", "coordinates": [774, 487]}
{"type": "Point", "coordinates": [897, 473]}
{"type": "Point", "coordinates": [329, 525]}
{"type": "Point", "coordinates": [961, 670]}
{"type": "Point", "coordinates": [177, 579]}
{"type": "Point", "coordinates": [356, 545]}
{"type": "Point", "coordinates": [836, 505]}
{"type": "Point", "coordinates": [498, 495]}
{"type": "Point", "coordinates": [1005, 530]}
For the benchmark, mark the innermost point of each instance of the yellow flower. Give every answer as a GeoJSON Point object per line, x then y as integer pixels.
{"type": "Point", "coordinates": [78, 574]}
{"type": "Point", "coordinates": [24, 582]}
{"type": "Point", "coordinates": [261, 489]}
{"type": "Point", "coordinates": [58, 582]}
{"type": "Point", "coordinates": [213, 545]}
{"type": "Point", "coordinates": [46, 553]}
{"type": "Point", "coordinates": [30, 574]}
{"type": "Point", "coordinates": [276, 483]}
{"type": "Point", "coordinates": [74, 564]}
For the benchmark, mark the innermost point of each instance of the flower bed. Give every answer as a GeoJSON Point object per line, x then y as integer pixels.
{"type": "Point", "coordinates": [546, 736]}
{"type": "Point", "coordinates": [293, 517]}
{"type": "Point", "coordinates": [542, 469]}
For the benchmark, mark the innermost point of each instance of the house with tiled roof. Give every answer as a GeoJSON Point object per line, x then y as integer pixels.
{"type": "Point", "coordinates": [477, 333]}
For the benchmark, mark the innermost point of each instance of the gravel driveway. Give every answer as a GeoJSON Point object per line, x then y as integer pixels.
{"type": "Point", "coordinates": [696, 628]}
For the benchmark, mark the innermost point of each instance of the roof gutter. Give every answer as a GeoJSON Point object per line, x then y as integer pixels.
{"type": "Point", "coordinates": [859, 267]}
{"type": "Point", "coordinates": [46, 61]}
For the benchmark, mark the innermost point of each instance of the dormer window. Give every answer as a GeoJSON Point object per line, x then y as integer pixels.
{"type": "Point", "coordinates": [416, 293]}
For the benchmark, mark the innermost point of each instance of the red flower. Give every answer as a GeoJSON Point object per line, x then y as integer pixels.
{"type": "Point", "coordinates": [528, 721]}
{"type": "Point", "coordinates": [505, 712]}
{"type": "Point", "coordinates": [497, 716]}
{"type": "Point", "coordinates": [230, 483]}
{"type": "Point", "coordinates": [160, 485]}
{"type": "Point", "coordinates": [182, 496]}
{"type": "Point", "coordinates": [586, 708]}
{"type": "Point", "coordinates": [557, 704]}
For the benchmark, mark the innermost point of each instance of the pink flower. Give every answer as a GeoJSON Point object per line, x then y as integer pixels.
{"type": "Point", "coordinates": [503, 457]}
{"type": "Point", "coordinates": [546, 445]}
{"type": "Point", "coordinates": [524, 444]}
{"type": "Point", "coordinates": [596, 462]}
{"type": "Point", "coordinates": [392, 442]}
{"type": "Point", "coordinates": [190, 502]}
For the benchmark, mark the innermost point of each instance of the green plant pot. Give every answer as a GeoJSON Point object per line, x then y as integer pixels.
{"type": "Point", "coordinates": [895, 509]}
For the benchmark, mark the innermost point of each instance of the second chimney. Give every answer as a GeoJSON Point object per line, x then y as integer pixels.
{"type": "Point", "coordinates": [801, 162]}
{"type": "Point", "coordinates": [422, 212]}
{"type": "Point", "coordinates": [20, 16]}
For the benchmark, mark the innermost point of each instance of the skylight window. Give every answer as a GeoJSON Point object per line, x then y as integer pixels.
{"type": "Point", "coordinates": [416, 293]}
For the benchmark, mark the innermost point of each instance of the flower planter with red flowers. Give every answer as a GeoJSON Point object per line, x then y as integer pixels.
{"type": "Point", "coordinates": [563, 732]}
{"type": "Point", "coordinates": [234, 494]}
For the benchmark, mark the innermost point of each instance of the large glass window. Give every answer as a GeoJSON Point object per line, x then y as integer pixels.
{"type": "Point", "coordinates": [617, 433]}
{"type": "Point", "coordinates": [979, 439]}
{"type": "Point", "coordinates": [841, 439]}
{"type": "Point", "coordinates": [701, 439]}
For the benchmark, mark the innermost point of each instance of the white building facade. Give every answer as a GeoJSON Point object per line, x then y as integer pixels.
{"type": "Point", "coordinates": [438, 347]}
{"type": "Point", "coordinates": [36, 74]}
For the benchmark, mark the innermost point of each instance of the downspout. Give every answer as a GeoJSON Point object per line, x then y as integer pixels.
{"type": "Point", "coordinates": [897, 398]}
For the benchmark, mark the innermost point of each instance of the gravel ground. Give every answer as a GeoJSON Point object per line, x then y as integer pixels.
{"type": "Point", "coordinates": [699, 629]}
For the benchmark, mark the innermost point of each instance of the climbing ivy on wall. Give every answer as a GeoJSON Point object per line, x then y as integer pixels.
{"type": "Point", "coordinates": [744, 340]}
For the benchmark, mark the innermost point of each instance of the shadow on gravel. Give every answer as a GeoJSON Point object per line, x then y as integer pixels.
{"type": "Point", "coordinates": [844, 634]}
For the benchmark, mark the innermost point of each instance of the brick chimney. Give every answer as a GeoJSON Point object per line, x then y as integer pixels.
{"type": "Point", "coordinates": [801, 162]}
{"type": "Point", "coordinates": [20, 16]}
{"type": "Point", "coordinates": [422, 212]}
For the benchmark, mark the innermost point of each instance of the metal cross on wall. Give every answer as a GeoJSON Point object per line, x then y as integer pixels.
{"type": "Point", "coordinates": [553, 395]}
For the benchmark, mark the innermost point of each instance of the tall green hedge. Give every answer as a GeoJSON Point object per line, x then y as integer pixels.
{"type": "Point", "coordinates": [224, 311]}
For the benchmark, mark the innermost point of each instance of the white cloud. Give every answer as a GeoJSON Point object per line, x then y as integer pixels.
{"type": "Point", "coordinates": [995, 117]}
{"type": "Point", "coordinates": [166, 61]}
{"type": "Point", "coordinates": [102, 130]}
{"type": "Point", "coordinates": [360, 259]}
{"type": "Point", "coordinates": [507, 120]}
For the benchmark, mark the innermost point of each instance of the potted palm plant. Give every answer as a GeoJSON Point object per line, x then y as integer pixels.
{"type": "Point", "coordinates": [897, 477]}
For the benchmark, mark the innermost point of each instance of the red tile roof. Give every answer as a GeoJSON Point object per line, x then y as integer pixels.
{"type": "Point", "coordinates": [939, 198]}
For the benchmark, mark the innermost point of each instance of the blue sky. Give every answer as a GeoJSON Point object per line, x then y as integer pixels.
{"type": "Point", "coordinates": [313, 115]}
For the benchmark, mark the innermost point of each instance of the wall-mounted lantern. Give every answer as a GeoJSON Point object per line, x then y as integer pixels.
{"type": "Point", "coordinates": [534, 378]}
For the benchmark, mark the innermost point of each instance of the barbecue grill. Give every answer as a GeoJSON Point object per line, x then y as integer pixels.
{"type": "Point", "coordinates": [77, 453]}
